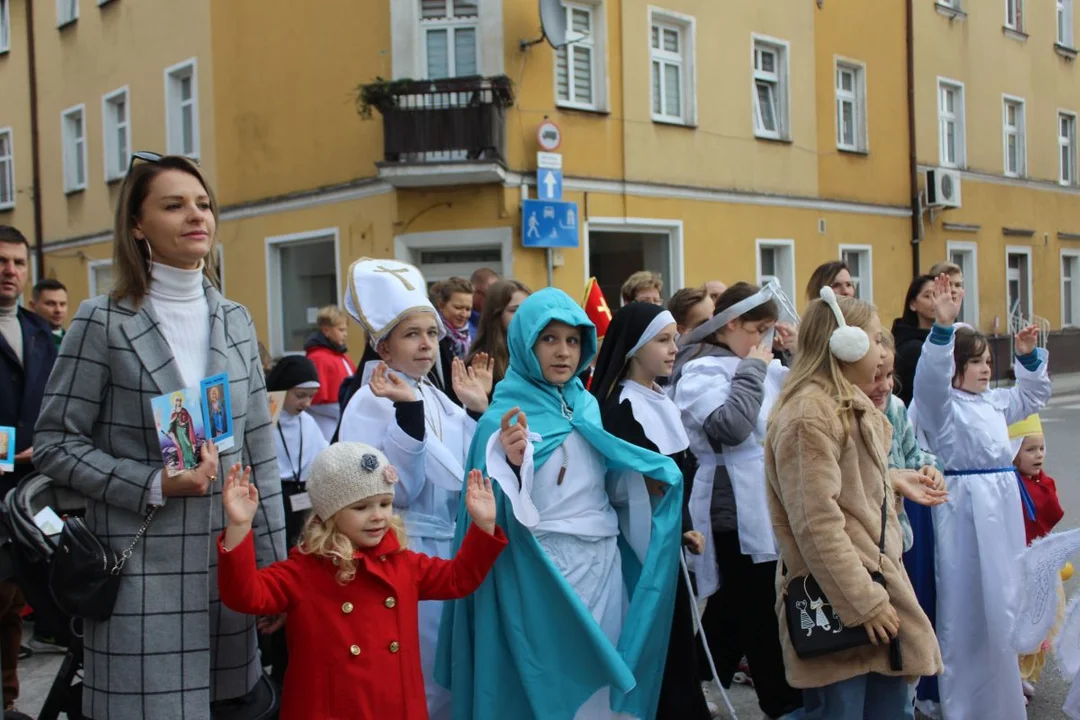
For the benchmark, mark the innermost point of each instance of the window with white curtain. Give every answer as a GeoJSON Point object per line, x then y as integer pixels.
{"type": "Point", "coordinates": [1067, 148]}
{"type": "Point", "coordinates": [671, 39]}
{"type": "Point", "coordinates": [1014, 15]}
{"type": "Point", "coordinates": [579, 65]}
{"type": "Point", "coordinates": [1014, 141]}
{"type": "Point", "coordinates": [859, 259]}
{"type": "Point", "coordinates": [67, 11]}
{"type": "Point", "coordinates": [5, 26]}
{"type": "Point", "coordinates": [116, 121]}
{"type": "Point", "coordinates": [770, 90]}
{"type": "Point", "coordinates": [1065, 22]}
{"type": "Point", "coordinates": [449, 29]}
{"type": "Point", "coordinates": [73, 128]}
{"type": "Point", "coordinates": [182, 109]}
{"type": "Point", "coordinates": [951, 123]}
{"type": "Point", "coordinates": [7, 170]}
{"type": "Point", "coordinates": [850, 107]}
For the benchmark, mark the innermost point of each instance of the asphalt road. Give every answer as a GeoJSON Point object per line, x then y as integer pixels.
{"type": "Point", "coordinates": [1060, 420]}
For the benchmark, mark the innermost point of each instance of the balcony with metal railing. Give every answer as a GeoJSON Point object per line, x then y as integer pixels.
{"type": "Point", "coordinates": [440, 132]}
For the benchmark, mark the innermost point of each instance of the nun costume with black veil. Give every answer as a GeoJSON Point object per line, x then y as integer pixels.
{"type": "Point", "coordinates": [647, 417]}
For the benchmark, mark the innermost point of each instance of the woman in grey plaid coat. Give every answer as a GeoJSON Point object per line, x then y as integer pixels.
{"type": "Point", "coordinates": [170, 647]}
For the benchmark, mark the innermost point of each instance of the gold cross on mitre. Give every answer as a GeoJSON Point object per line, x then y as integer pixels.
{"type": "Point", "coordinates": [399, 273]}
{"type": "Point", "coordinates": [602, 307]}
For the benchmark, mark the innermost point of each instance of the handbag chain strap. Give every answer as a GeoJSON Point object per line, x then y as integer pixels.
{"type": "Point", "coordinates": [134, 541]}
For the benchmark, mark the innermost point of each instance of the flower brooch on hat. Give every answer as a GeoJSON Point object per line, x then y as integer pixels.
{"type": "Point", "coordinates": [370, 463]}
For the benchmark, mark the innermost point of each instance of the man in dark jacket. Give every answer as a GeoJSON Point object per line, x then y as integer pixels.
{"type": "Point", "coordinates": [27, 354]}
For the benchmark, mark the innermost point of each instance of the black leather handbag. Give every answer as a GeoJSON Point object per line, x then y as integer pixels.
{"type": "Point", "coordinates": [814, 626]}
{"type": "Point", "coordinates": [84, 574]}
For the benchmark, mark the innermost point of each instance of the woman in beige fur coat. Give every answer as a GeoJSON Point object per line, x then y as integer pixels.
{"type": "Point", "coordinates": [826, 458]}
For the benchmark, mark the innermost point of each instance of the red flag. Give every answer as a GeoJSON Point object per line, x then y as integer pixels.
{"type": "Point", "coordinates": [596, 308]}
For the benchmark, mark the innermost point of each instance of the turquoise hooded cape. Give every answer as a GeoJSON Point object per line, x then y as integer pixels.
{"type": "Point", "coordinates": [524, 645]}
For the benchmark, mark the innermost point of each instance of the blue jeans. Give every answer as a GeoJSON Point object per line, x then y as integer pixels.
{"type": "Point", "coordinates": [866, 697]}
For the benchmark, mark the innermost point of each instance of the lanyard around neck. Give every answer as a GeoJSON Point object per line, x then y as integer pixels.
{"type": "Point", "coordinates": [300, 457]}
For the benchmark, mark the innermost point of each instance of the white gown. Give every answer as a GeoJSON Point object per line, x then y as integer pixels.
{"type": "Point", "coordinates": [432, 475]}
{"type": "Point", "coordinates": [578, 528]}
{"type": "Point", "coordinates": [979, 533]}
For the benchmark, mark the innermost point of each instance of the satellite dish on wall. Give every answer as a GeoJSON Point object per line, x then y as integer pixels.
{"type": "Point", "coordinates": [553, 21]}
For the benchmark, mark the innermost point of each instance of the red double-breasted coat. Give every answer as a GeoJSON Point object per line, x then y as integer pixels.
{"type": "Point", "coordinates": [354, 650]}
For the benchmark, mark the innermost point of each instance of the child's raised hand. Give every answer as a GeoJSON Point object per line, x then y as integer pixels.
{"type": "Point", "coordinates": [761, 352]}
{"type": "Point", "coordinates": [483, 367]}
{"type": "Point", "coordinates": [1027, 339]}
{"type": "Point", "coordinates": [240, 496]}
{"type": "Point", "coordinates": [514, 437]}
{"type": "Point", "coordinates": [391, 387]}
{"type": "Point", "coordinates": [480, 501]}
{"type": "Point", "coordinates": [468, 385]}
{"type": "Point", "coordinates": [946, 307]}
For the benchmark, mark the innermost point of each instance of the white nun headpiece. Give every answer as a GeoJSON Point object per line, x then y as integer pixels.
{"type": "Point", "coordinates": [381, 293]}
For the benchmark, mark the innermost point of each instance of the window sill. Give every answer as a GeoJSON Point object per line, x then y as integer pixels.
{"type": "Point", "coordinates": [674, 122]}
{"type": "Point", "coordinates": [773, 139]}
{"type": "Point", "coordinates": [1066, 184]}
{"type": "Point", "coordinates": [74, 191]}
{"type": "Point", "coordinates": [66, 24]}
{"type": "Point", "coordinates": [113, 179]}
{"type": "Point", "coordinates": [853, 151]}
{"type": "Point", "coordinates": [581, 109]}
{"type": "Point", "coordinates": [1065, 51]}
{"type": "Point", "coordinates": [5, 51]}
{"type": "Point", "coordinates": [7, 207]}
{"type": "Point", "coordinates": [950, 12]}
{"type": "Point", "coordinates": [1013, 33]}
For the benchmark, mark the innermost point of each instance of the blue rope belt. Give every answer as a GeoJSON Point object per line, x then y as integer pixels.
{"type": "Point", "coordinates": [1025, 496]}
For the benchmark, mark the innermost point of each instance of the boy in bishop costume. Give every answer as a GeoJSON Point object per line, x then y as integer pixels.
{"type": "Point", "coordinates": [570, 624]}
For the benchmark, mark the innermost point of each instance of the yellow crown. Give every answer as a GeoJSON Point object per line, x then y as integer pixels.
{"type": "Point", "coordinates": [1030, 425]}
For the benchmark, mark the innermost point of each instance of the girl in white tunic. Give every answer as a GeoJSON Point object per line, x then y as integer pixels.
{"type": "Point", "coordinates": [979, 533]}
{"type": "Point", "coordinates": [424, 434]}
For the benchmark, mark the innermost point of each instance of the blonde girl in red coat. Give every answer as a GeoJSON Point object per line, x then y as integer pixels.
{"type": "Point", "coordinates": [350, 588]}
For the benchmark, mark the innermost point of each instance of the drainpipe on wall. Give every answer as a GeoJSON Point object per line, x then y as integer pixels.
{"type": "Point", "coordinates": [35, 186]}
{"type": "Point", "coordinates": [913, 164]}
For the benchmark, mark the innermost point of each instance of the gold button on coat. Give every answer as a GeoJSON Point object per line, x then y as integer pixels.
{"type": "Point", "coordinates": [355, 649]}
{"type": "Point", "coordinates": [394, 646]}
{"type": "Point", "coordinates": [390, 602]}
{"type": "Point", "coordinates": [347, 608]}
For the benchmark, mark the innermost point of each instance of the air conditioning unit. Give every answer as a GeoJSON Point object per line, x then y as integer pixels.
{"type": "Point", "coordinates": [943, 188]}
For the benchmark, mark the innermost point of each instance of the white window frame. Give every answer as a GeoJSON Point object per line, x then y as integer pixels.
{"type": "Point", "coordinates": [958, 117]}
{"type": "Point", "coordinates": [971, 277]}
{"type": "Point", "coordinates": [408, 248]}
{"type": "Point", "coordinates": [857, 97]}
{"type": "Point", "coordinates": [786, 245]}
{"type": "Point", "coordinates": [686, 25]}
{"type": "Point", "coordinates": [1064, 14]}
{"type": "Point", "coordinates": [174, 131]}
{"type": "Point", "coordinates": [1019, 131]}
{"type": "Point", "coordinates": [61, 7]}
{"type": "Point", "coordinates": [1019, 250]}
{"type": "Point", "coordinates": [1014, 15]}
{"type": "Point", "coordinates": [409, 47]}
{"type": "Point", "coordinates": [1071, 144]}
{"type": "Point", "coordinates": [115, 171]}
{"type": "Point", "coordinates": [8, 162]}
{"type": "Point", "coordinates": [276, 329]}
{"type": "Point", "coordinates": [864, 281]}
{"type": "Point", "coordinates": [71, 147]}
{"type": "Point", "coordinates": [5, 26]}
{"type": "Point", "coordinates": [782, 79]}
{"type": "Point", "coordinates": [595, 41]}
{"type": "Point", "coordinates": [92, 281]}
{"type": "Point", "coordinates": [1072, 253]}
{"type": "Point", "coordinates": [451, 24]}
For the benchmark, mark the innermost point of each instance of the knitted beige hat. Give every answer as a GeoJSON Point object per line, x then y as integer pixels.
{"type": "Point", "coordinates": [346, 473]}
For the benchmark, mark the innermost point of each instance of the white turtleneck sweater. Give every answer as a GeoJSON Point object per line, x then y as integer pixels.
{"type": "Point", "coordinates": [180, 304]}
{"type": "Point", "coordinates": [11, 329]}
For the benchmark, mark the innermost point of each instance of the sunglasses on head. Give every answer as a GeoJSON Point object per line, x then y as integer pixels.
{"type": "Point", "coordinates": [150, 157]}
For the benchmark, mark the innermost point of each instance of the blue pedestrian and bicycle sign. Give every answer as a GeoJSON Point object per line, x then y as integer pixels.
{"type": "Point", "coordinates": [549, 223]}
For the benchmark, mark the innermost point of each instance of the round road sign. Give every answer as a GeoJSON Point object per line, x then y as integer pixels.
{"type": "Point", "coordinates": [549, 136]}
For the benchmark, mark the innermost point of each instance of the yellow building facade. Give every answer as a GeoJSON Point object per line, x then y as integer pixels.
{"type": "Point", "coordinates": [736, 140]}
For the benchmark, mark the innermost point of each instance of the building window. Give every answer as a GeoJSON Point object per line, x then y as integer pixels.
{"type": "Point", "coordinates": [965, 256]}
{"type": "Point", "coordinates": [770, 90]}
{"type": "Point", "coordinates": [616, 254]}
{"type": "Point", "coordinates": [951, 123]}
{"type": "Point", "coordinates": [1018, 285]}
{"type": "Point", "coordinates": [449, 28]}
{"type": "Point", "coordinates": [579, 65]}
{"type": "Point", "coordinates": [7, 170]}
{"type": "Point", "coordinates": [1014, 15]}
{"type": "Point", "coordinates": [73, 127]}
{"type": "Point", "coordinates": [101, 277]}
{"type": "Point", "coordinates": [303, 273]}
{"type": "Point", "coordinates": [116, 121]}
{"type": "Point", "coordinates": [671, 51]}
{"type": "Point", "coordinates": [1070, 288]}
{"type": "Point", "coordinates": [67, 11]}
{"type": "Point", "coordinates": [850, 107]}
{"type": "Point", "coordinates": [1015, 141]}
{"type": "Point", "coordinates": [5, 26]}
{"type": "Point", "coordinates": [776, 262]}
{"type": "Point", "coordinates": [182, 109]}
{"type": "Point", "coordinates": [859, 259]}
{"type": "Point", "coordinates": [1067, 148]}
{"type": "Point", "coordinates": [1065, 22]}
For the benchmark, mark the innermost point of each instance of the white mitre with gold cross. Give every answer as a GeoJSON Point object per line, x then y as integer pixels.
{"type": "Point", "coordinates": [381, 293]}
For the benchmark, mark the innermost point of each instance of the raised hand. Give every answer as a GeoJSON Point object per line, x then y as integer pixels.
{"type": "Point", "coordinates": [761, 352]}
{"type": "Point", "coordinates": [468, 386]}
{"type": "Point", "coordinates": [240, 496]}
{"type": "Point", "coordinates": [514, 437]}
{"type": "Point", "coordinates": [391, 387]}
{"type": "Point", "coordinates": [480, 501]}
{"type": "Point", "coordinates": [786, 338]}
{"type": "Point", "coordinates": [483, 367]}
{"type": "Point", "coordinates": [1027, 339]}
{"type": "Point", "coordinates": [946, 308]}
{"type": "Point", "coordinates": [918, 487]}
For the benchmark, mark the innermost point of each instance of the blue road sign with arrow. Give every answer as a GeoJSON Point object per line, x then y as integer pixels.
{"type": "Point", "coordinates": [549, 184]}
{"type": "Point", "coordinates": [549, 223]}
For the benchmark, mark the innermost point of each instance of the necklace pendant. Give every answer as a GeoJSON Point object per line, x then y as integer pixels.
{"type": "Point", "coordinates": [562, 474]}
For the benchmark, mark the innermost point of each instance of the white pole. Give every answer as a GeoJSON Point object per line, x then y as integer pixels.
{"type": "Point", "coordinates": [704, 640]}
